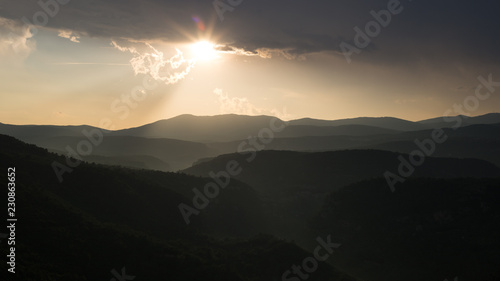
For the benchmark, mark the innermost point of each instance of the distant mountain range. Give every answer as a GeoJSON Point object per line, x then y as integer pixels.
{"type": "Point", "coordinates": [380, 122]}
{"type": "Point", "coordinates": [176, 143]}
{"type": "Point", "coordinates": [230, 127]}
{"type": "Point", "coordinates": [491, 118]}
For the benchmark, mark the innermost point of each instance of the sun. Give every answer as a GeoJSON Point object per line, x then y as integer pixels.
{"type": "Point", "coordinates": [204, 50]}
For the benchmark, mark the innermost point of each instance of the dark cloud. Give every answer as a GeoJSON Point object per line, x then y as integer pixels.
{"type": "Point", "coordinates": [439, 31]}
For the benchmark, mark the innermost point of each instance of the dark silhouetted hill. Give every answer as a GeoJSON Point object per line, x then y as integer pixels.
{"type": "Point", "coordinates": [103, 218]}
{"type": "Point", "coordinates": [474, 141]}
{"type": "Point", "coordinates": [272, 172]}
{"type": "Point", "coordinates": [429, 229]}
{"type": "Point", "coordinates": [293, 185]}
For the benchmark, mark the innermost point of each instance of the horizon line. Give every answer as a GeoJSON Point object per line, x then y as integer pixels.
{"type": "Point", "coordinates": [226, 114]}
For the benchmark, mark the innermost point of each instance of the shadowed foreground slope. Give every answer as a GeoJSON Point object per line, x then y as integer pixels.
{"type": "Point", "coordinates": [104, 218]}
{"type": "Point", "coordinates": [429, 229]}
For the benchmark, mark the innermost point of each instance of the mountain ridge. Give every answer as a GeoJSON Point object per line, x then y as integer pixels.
{"type": "Point", "coordinates": [488, 118]}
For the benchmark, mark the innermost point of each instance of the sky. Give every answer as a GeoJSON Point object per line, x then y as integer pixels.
{"type": "Point", "coordinates": [128, 63]}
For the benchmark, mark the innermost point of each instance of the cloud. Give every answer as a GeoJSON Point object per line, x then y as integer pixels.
{"type": "Point", "coordinates": [154, 63]}
{"type": "Point", "coordinates": [265, 53]}
{"type": "Point", "coordinates": [73, 37]}
{"type": "Point", "coordinates": [225, 49]}
{"type": "Point", "coordinates": [452, 30]}
{"type": "Point", "coordinates": [236, 105]}
{"type": "Point", "coordinates": [15, 40]}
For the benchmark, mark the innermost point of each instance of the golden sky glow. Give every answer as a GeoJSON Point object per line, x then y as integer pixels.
{"type": "Point", "coordinates": [203, 66]}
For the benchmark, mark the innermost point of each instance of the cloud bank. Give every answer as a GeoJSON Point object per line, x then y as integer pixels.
{"type": "Point", "coordinates": [440, 31]}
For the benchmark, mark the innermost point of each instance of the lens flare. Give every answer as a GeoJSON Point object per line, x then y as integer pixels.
{"type": "Point", "coordinates": [199, 23]}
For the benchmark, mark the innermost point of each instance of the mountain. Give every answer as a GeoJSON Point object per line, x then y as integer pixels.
{"type": "Point", "coordinates": [217, 128]}
{"type": "Point", "coordinates": [129, 161]}
{"type": "Point", "coordinates": [390, 123]}
{"type": "Point", "coordinates": [429, 229]}
{"type": "Point", "coordinates": [484, 149]}
{"type": "Point", "coordinates": [147, 147]}
{"type": "Point", "coordinates": [474, 141]}
{"type": "Point", "coordinates": [232, 127]}
{"type": "Point", "coordinates": [277, 172]}
{"type": "Point", "coordinates": [102, 219]}
{"type": "Point", "coordinates": [201, 128]}
{"type": "Point", "coordinates": [293, 185]}
{"type": "Point", "coordinates": [175, 154]}
{"type": "Point", "coordinates": [479, 131]}
{"type": "Point", "coordinates": [442, 221]}
{"type": "Point", "coordinates": [292, 131]}
{"type": "Point", "coordinates": [441, 122]}
{"type": "Point", "coordinates": [396, 124]}
{"type": "Point", "coordinates": [32, 133]}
